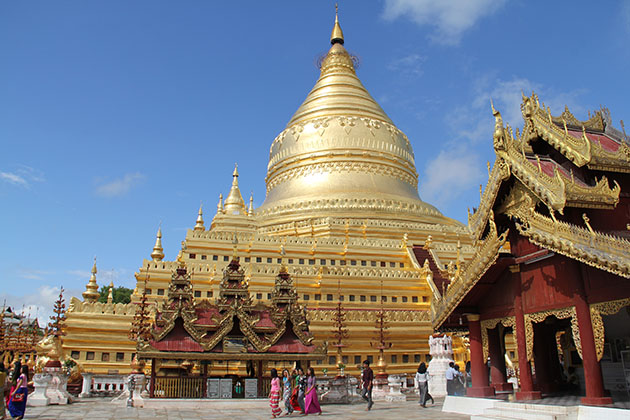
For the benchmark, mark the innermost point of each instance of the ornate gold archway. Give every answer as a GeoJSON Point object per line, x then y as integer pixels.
{"type": "Point", "coordinates": [599, 309]}
{"type": "Point", "coordinates": [562, 313]}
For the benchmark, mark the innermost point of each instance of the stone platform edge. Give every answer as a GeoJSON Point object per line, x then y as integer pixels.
{"type": "Point", "coordinates": [476, 406]}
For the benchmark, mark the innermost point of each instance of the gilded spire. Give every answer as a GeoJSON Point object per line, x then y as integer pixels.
{"type": "Point", "coordinates": [220, 204]}
{"type": "Point", "coordinates": [250, 211]}
{"type": "Point", "coordinates": [158, 252]}
{"type": "Point", "coordinates": [91, 289]}
{"type": "Point", "coordinates": [199, 225]}
{"type": "Point", "coordinates": [110, 295]}
{"type": "Point", "coordinates": [234, 203]}
{"type": "Point", "coordinates": [336, 37]}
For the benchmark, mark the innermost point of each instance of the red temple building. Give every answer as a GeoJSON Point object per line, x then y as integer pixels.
{"type": "Point", "coordinates": [552, 261]}
{"type": "Point", "coordinates": [191, 341]}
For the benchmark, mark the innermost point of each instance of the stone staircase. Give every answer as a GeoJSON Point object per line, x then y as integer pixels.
{"type": "Point", "coordinates": [524, 411]}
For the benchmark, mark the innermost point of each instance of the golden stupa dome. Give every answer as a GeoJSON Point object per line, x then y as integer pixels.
{"type": "Point", "coordinates": [340, 155]}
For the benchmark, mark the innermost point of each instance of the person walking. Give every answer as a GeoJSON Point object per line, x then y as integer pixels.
{"type": "Point", "coordinates": [274, 394]}
{"type": "Point", "coordinates": [301, 381]}
{"type": "Point", "coordinates": [450, 379]}
{"type": "Point", "coordinates": [311, 402]}
{"type": "Point", "coordinates": [422, 378]}
{"type": "Point", "coordinates": [368, 382]}
{"type": "Point", "coordinates": [287, 388]}
{"type": "Point", "coordinates": [3, 381]}
{"type": "Point", "coordinates": [17, 400]}
{"type": "Point", "coordinates": [13, 377]}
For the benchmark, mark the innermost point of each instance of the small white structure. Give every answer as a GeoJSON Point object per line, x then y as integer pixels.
{"type": "Point", "coordinates": [102, 385]}
{"type": "Point", "coordinates": [395, 382]}
{"type": "Point", "coordinates": [38, 398]}
{"type": "Point", "coordinates": [139, 390]}
{"type": "Point", "coordinates": [50, 388]}
{"type": "Point", "coordinates": [441, 350]}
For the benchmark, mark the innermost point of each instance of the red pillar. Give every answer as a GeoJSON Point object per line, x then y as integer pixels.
{"type": "Point", "coordinates": [478, 370]}
{"type": "Point", "coordinates": [526, 391]}
{"type": "Point", "coordinates": [498, 373]}
{"type": "Point", "coordinates": [592, 369]}
{"type": "Point", "coordinates": [152, 382]}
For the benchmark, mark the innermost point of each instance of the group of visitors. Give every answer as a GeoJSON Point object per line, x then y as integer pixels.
{"type": "Point", "coordinates": [455, 380]}
{"type": "Point", "coordinates": [298, 392]}
{"type": "Point", "coordinates": [13, 390]}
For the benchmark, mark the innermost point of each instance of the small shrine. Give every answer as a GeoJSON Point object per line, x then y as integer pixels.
{"type": "Point", "coordinates": [188, 336]}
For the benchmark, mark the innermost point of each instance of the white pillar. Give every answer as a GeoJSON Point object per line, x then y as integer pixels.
{"type": "Point", "coordinates": [87, 385]}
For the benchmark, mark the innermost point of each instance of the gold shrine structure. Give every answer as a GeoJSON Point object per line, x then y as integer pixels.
{"type": "Point", "coordinates": [341, 206]}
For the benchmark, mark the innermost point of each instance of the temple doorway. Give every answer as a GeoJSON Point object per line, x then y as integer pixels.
{"type": "Point", "coordinates": [557, 365]}
{"type": "Point", "coordinates": [615, 357]}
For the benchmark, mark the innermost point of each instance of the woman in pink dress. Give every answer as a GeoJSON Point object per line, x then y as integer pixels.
{"type": "Point", "coordinates": [274, 395]}
{"type": "Point", "coordinates": [311, 402]}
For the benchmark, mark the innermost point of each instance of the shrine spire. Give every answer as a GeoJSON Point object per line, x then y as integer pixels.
{"type": "Point", "coordinates": [199, 225]}
{"type": "Point", "coordinates": [336, 37]}
{"type": "Point", "coordinates": [158, 251]}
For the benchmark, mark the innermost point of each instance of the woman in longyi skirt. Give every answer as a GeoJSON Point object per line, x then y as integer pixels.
{"type": "Point", "coordinates": [311, 402]}
{"type": "Point", "coordinates": [274, 395]}
{"type": "Point", "coordinates": [17, 400]}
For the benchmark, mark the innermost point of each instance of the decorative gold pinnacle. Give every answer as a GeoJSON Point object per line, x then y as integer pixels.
{"type": "Point", "coordinates": [158, 252]}
{"type": "Point", "coordinates": [199, 225]}
{"type": "Point", "coordinates": [91, 289]}
{"type": "Point", "coordinates": [336, 37]}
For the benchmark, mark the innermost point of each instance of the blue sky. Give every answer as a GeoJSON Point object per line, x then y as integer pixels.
{"type": "Point", "coordinates": [116, 115]}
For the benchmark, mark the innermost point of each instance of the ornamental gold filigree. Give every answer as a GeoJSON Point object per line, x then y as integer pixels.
{"type": "Point", "coordinates": [489, 324]}
{"type": "Point", "coordinates": [599, 309]}
{"type": "Point", "coordinates": [600, 250]}
{"type": "Point", "coordinates": [562, 313]}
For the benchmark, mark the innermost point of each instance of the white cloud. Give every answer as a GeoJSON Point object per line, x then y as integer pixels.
{"type": "Point", "coordinates": [450, 174]}
{"type": "Point", "coordinates": [22, 176]}
{"type": "Point", "coordinates": [458, 169]}
{"type": "Point", "coordinates": [450, 18]}
{"type": "Point", "coordinates": [120, 186]}
{"type": "Point", "coordinates": [14, 179]}
{"type": "Point", "coordinates": [32, 274]}
{"type": "Point", "coordinates": [39, 303]}
{"type": "Point", "coordinates": [409, 65]}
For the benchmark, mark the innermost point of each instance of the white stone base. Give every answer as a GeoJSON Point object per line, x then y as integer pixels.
{"type": "Point", "coordinates": [38, 398]}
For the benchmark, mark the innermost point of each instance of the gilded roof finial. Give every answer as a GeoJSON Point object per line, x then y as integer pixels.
{"type": "Point", "coordinates": [91, 293]}
{"type": "Point", "coordinates": [158, 252]}
{"type": "Point", "coordinates": [220, 205]}
{"type": "Point", "coordinates": [336, 37]}
{"type": "Point", "coordinates": [234, 203]}
{"type": "Point", "coordinates": [250, 211]}
{"type": "Point", "coordinates": [110, 295]}
{"type": "Point", "coordinates": [199, 225]}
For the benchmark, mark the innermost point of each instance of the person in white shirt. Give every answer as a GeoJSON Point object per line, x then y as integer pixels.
{"type": "Point", "coordinates": [422, 379]}
{"type": "Point", "coordinates": [451, 375]}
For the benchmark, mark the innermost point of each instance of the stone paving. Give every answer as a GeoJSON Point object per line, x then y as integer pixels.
{"type": "Point", "coordinates": [101, 409]}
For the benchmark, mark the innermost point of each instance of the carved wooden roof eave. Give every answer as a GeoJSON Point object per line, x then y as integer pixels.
{"type": "Point", "coordinates": [581, 151]}
{"type": "Point", "coordinates": [487, 253]}
{"type": "Point", "coordinates": [604, 251]}
{"type": "Point", "coordinates": [556, 191]}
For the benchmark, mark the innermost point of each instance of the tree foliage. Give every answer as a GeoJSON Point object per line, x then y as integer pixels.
{"type": "Point", "coordinates": [120, 294]}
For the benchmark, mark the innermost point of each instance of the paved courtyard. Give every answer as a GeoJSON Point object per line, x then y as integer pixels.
{"type": "Point", "coordinates": [100, 409]}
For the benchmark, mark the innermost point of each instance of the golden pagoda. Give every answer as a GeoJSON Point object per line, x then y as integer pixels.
{"type": "Point", "coordinates": [341, 208]}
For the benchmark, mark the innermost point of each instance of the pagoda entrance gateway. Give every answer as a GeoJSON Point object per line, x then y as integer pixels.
{"type": "Point", "coordinates": [222, 349]}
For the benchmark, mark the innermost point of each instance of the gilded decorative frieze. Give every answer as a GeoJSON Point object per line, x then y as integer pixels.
{"type": "Point", "coordinates": [489, 324]}
{"type": "Point", "coordinates": [562, 313]}
{"type": "Point", "coordinates": [604, 308]}
{"type": "Point", "coordinates": [327, 315]}
{"type": "Point", "coordinates": [600, 250]}
{"type": "Point", "coordinates": [346, 166]}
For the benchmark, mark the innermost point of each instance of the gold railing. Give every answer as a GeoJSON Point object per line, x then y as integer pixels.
{"type": "Point", "coordinates": [178, 387]}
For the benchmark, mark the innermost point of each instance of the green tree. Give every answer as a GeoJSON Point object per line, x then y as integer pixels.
{"type": "Point", "coordinates": [120, 294]}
